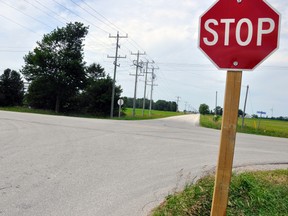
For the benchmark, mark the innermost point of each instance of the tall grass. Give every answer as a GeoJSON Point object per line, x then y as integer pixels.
{"type": "Point", "coordinates": [252, 193]}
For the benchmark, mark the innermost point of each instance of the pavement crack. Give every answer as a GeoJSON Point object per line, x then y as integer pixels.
{"type": "Point", "coordinates": [3, 188]}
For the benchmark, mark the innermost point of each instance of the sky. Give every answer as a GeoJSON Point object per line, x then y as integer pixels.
{"type": "Point", "coordinates": [166, 30]}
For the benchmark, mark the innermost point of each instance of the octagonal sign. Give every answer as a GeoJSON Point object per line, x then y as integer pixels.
{"type": "Point", "coordinates": [239, 34]}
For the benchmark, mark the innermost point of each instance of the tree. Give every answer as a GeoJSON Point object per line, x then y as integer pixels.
{"type": "Point", "coordinates": [11, 88]}
{"type": "Point", "coordinates": [165, 105]}
{"type": "Point", "coordinates": [42, 93]}
{"type": "Point", "coordinates": [158, 105]}
{"type": "Point", "coordinates": [57, 60]}
{"type": "Point", "coordinates": [96, 96]}
{"type": "Point", "coordinates": [240, 112]}
{"type": "Point", "coordinates": [173, 106]}
{"type": "Point", "coordinates": [204, 109]}
{"type": "Point", "coordinates": [219, 111]}
{"type": "Point", "coordinates": [95, 72]}
{"type": "Point", "coordinates": [128, 102]}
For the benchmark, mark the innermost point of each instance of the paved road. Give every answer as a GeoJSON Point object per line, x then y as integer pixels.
{"type": "Point", "coordinates": [63, 166]}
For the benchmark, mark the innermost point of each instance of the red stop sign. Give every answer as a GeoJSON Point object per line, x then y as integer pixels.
{"type": "Point", "coordinates": [239, 34]}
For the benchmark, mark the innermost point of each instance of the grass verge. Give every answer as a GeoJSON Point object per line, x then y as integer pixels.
{"type": "Point", "coordinates": [154, 114]}
{"type": "Point", "coordinates": [252, 193]}
{"type": "Point", "coordinates": [267, 127]}
{"type": "Point", "coordinates": [28, 110]}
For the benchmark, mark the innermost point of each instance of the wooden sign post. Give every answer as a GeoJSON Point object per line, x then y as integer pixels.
{"type": "Point", "coordinates": [227, 143]}
{"type": "Point", "coordinates": [235, 39]}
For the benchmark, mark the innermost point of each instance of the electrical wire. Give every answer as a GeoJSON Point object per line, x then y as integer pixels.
{"type": "Point", "coordinates": [25, 27]}
{"type": "Point", "coordinates": [91, 23]}
{"type": "Point", "coordinates": [91, 14]}
{"type": "Point", "coordinates": [31, 17]}
{"type": "Point", "coordinates": [44, 12]}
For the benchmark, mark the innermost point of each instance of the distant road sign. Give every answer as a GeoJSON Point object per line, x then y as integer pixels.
{"type": "Point", "coordinates": [261, 112]}
{"type": "Point", "coordinates": [120, 102]}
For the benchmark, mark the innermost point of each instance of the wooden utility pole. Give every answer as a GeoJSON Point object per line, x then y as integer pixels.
{"type": "Point", "coordinates": [145, 85]}
{"type": "Point", "coordinates": [152, 88]}
{"type": "Point", "coordinates": [116, 57]}
{"type": "Point", "coordinates": [227, 143]}
{"type": "Point", "coordinates": [216, 103]}
{"type": "Point", "coordinates": [137, 64]}
{"type": "Point", "coordinates": [178, 99]}
{"type": "Point", "coordinates": [244, 110]}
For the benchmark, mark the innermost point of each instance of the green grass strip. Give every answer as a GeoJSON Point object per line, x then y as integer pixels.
{"type": "Point", "coordinates": [266, 127]}
{"type": "Point", "coordinates": [262, 193]}
{"type": "Point", "coordinates": [154, 114]}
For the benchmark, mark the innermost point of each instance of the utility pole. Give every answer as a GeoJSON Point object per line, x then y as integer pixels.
{"type": "Point", "coordinates": [137, 64]}
{"type": "Point", "coordinates": [178, 99]}
{"type": "Point", "coordinates": [152, 88]}
{"type": "Point", "coordinates": [115, 68]}
{"type": "Point", "coordinates": [216, 104]}
{"type": "Point", "coordinates": [145, 86]}
{"type": "Point", "coordinates": [245, 106]}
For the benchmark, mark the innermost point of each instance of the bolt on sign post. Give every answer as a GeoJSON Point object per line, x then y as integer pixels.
{"type": "Point", "coordinates": [235, 35]}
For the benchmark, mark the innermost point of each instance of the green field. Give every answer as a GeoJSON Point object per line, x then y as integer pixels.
{"type": "Point", "coordinates": [252, 193]}
{"type": "Point", "coordinates": [128, 113]}
{"type": "Point", "coordinates": [267, 127]}
{"type": "Point", "coordinates": [154, 114]}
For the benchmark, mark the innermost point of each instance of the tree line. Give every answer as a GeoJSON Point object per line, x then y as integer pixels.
{"type": "Point", "coordinates": [11, 88]}
{"type": "Point", "coordinates": [205, 110]}
{"type": "Point", "coordinates": [158, 105]}
{"type": "Point", "coordinates": [58, 77]}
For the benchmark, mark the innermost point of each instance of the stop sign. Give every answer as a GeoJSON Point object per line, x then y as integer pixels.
{"type": "Point", "coordinates": [239, 34]}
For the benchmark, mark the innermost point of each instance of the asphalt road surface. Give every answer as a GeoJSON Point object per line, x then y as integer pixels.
{"type": "Point", "coordinates": [62, 166]}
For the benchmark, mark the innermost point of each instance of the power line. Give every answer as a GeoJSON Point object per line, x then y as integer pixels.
{"type": "Point", "coordinates": [42, 7]}
{"type": "Point", "coordinates": [51, 11]}
{"type": "Point", "coordinates": [38, 19]}
{"type": "Point", "coordinates": [100, 42]}
{"type": "Point", "coordinates": [93, 14]}
{"type": "Point", "coordinates": [11, 20]}
{"type": "Point", "coordinates": [31, 17]}
{"type": "Point", "coordinates": [80, 16]}
{"type": "Point", "coordinates": [38, 8]}
{"type": "Point", "coordinates": [109, 24]}
{"type": "Point", "coordinates": [112, 25]}
{"type": "Point", "coordinates": [13, 51]}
